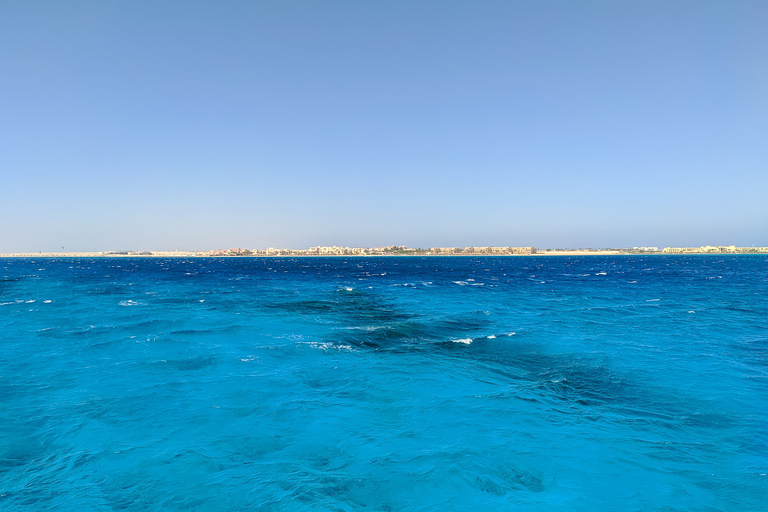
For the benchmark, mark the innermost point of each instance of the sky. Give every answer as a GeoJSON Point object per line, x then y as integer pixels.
{"type": "Point", "coordinates": [143, 125]}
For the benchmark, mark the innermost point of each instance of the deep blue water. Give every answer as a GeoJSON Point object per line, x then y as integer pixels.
{"type": "Point", "coordinates": [465, 383]}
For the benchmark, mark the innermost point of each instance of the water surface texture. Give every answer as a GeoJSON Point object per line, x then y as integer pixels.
{"type": "Point", "coordinates": [384, 384]}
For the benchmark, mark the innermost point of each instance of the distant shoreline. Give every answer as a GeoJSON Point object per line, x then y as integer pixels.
{"type": "Point", "coordinates": [205, 254]}
{"type": "Point", "coordinates": [183, 254]}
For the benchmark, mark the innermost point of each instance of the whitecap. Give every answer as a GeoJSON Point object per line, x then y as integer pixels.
{"type": "Point", "coordinates": [511, 334]}
{"type": "Point", "coordinates": [460, 283]}
{"type": "Point", "coordinates": [368, 328]}
{"type": "Point", "coordinates": [691, 311]}
{"type": "Point", "coordinates": [326, 345]}
{"type": "Point", "coordinates": [30, 301]}
{"type": "Point", "coordinates": [652, 300]}
{"type": "Point", "coordinates": [601, 274]}
{"type": "Point", "coordinates": [491, 337]}
{"type": "Point", "coordinates": [466, 341]}
{"type": "Point", "coordinates": [47, 301]}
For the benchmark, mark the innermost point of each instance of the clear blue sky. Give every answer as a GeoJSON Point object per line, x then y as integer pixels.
{"type": "Point", "coordinates": [153, 125]}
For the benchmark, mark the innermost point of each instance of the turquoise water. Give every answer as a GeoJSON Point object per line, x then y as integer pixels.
{"type": "Point", "coordinates": [487, 383]}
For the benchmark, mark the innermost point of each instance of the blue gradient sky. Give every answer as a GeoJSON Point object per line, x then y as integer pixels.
{"type": "Point", "coordinates": [198, 125]}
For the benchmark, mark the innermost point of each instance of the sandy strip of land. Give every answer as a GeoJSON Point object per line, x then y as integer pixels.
{"type": "Point", "coordinates": [579, 253]}
{"type": "Point", "coordinates": [99, 254]}
{"type": "Point", "coordinates": [188, 254]}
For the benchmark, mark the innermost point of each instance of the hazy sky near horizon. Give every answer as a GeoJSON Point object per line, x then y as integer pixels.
{"type": "Point", "coordinates": [199, 125]}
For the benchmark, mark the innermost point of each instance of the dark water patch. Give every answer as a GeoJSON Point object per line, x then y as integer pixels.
{"type": "Point", "coordinates": [585, 383]}
{"type": "Point", "coordinates": [382, 335]}
{"type": "Point", "coordinates": [398, 335]}
{"type": "Point", "coordinates": [582, 384]}
{"type": "Point", "coordinates": [388, 328]}
{"type": "Point", "coordinates": [357, 310]}
{"type": "Point", "coordinates": [564, 377]}
{"type": "Point", "coordinates": [358, 306]}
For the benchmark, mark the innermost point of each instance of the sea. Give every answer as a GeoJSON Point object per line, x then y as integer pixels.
{"type": "Point", "coordinates": [568, 383]}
